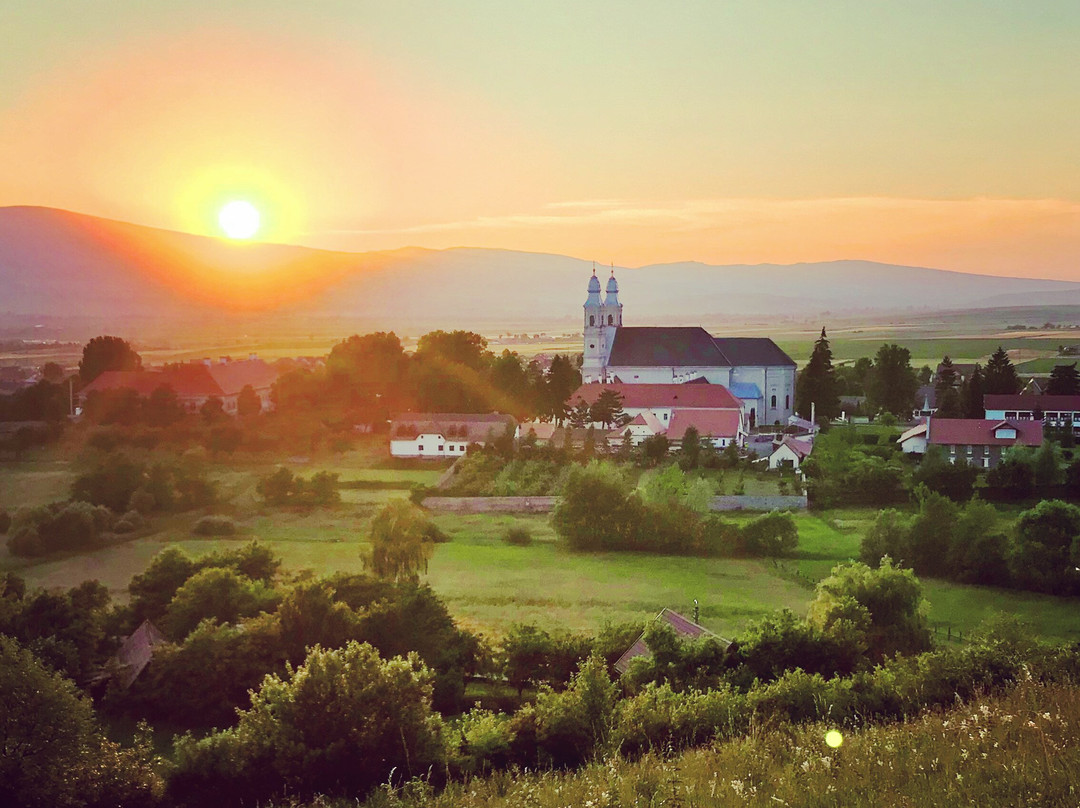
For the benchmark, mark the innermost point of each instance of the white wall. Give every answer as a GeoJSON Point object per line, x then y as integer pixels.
{"type": "Point", "coordinates": [428, 445]}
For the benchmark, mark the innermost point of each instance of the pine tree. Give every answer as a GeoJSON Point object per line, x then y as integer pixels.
{"type": "Point", "coordinates": [1001, 378]}
{"type": "Point", "coordinates": [1064, 381]}
{"type": "Point", "coordinates": [948, 397]}
{"type": "Point", "coordinates": [971, 394]}
{"type": "Point", "coordinates": [817, 383]}
{"type": "Point", "coordinates": [892, 385]}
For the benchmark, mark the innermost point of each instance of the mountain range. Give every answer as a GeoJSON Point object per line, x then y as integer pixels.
{"type": "Point", "coordinates": [56, 263]}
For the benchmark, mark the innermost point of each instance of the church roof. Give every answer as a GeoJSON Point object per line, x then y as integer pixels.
{"type": "Point", "coordinates": [753, 351]}
{"type": "Point", "coordinates": [683, 396]}
{"type": "Point", "coordinates": [693, 346]}
{"type": "Point", "coordinates": [644, 346]}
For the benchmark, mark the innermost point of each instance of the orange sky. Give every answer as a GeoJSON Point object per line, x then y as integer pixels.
{"type": "Point", "coordinates": [721, 133]}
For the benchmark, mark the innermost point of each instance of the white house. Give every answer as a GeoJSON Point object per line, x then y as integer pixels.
{"type": "Point", "coordinates": [428, 444]}
{"type": "Point", "coordinates": [790, 453]}
{"type": "Point", "coordinates": [914, 440]}
{"type": "Point", "coordinates": [645, 425]}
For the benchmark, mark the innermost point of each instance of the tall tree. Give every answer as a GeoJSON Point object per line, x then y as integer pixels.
{"type": "Point", "coordinates": [892, 383]}
{"type": "Point", "coordinates": [971, 394]}
{"type": "Point", "coordinates": [463, 347]}
{"type": "Point", "coordinates": [401, 542]}
{"type": "Point", "coordinates": [1001, 378]}
{"type": "Point", "coordinates": [371, 366]}
{"type": "Point", "coordinates": [562, 379]}
{"type": "Point", "coordinates": [817, 388]}
{"type": "Point", "coordinates": [946, 392]}
{"type": "Point", "coordinates": [107, 353]}
{"type": "Point", "coordinates": [607, 409]}
{"type": "Point", "coordinates": [1064, 381]}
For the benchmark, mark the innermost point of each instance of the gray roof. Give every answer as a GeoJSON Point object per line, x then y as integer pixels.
{"type": "Point", "coordinates": [752, 351]}
{"type": "Point", "coordinates": [692, 346]}
{"type": "Point", "coordinates": [638, 346]}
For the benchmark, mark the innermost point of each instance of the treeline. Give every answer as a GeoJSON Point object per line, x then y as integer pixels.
{"type": "Point", "coordinates": [371, 377]}
{"type": "Point", "coordinates": [110, 501]}
{"type": "Point", "coordinates": [971, 543]}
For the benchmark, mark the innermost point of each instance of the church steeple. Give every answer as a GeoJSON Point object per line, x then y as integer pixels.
{"type": "Point", "coordinates": [594, 349]}
{"type": "Point", "coordinates": [612, 306]}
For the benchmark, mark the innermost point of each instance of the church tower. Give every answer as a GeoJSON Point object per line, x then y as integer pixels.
{"type": "Point", "coordinates": [595, 349]}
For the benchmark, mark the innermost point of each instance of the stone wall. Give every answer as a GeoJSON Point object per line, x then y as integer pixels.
{"type": "Point", "coordinates": [547, 504]}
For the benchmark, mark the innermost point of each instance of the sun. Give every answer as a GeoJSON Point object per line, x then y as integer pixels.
{"type": "Point", "coordinates": [239, 219]}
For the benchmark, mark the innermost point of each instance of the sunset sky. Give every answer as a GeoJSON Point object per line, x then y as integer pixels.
{"type": "Point", "coordinates": [941, 134]}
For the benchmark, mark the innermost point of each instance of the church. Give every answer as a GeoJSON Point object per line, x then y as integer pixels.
{"type": "Point", "coordinates": [753, 369]}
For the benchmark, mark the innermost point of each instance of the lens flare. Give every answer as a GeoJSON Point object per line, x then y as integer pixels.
{"type": "Point", "coordinates": [239, 219]}
{"type": "Point", "coordinates": [833, 738]}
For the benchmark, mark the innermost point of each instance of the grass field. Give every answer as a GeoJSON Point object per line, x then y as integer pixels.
{"type": "Point", "coordinates": [488, 584]}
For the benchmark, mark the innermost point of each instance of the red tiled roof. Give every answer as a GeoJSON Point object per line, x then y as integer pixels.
{"type": "Point", "coordinates": [801, 448]}
{"type": "Point", "coordinates": [698, 396]}
{"type": "Point", "coordinates": [191, 380]}
{"type": "Point", "coordinates": [1027, 401]}
{"type": "Point", "coordinates": [709, 423]}
{"type": "Point", "coordinates": [975, 432]}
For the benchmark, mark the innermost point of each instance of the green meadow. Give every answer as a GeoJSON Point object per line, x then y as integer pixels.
{"type": "Point", "coordinates": [489, 584]}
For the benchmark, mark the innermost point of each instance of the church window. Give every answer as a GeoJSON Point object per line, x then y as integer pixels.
{"type": "Point", "coordinates": [591, 345]}
{"type": "Point", "coordinates": [592, 320]}
{"type": "Point", "coordinates": [787, 402]}
{"type": "Point", "coordinates": [610, 319]}
{"type": "Point", "coordinates": [773, 404]}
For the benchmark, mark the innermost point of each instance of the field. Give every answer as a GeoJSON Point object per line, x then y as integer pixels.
{"type": "Point", "coordinates": [489, 584]}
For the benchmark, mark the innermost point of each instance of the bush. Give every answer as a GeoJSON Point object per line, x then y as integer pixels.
{"type": "Point", "coordinates": [518, 536]}
{"type": "Point", "coordinates": [214, 526]}
{"type": "Point", "coordinates": [130, 522]}
{"type": "Point", "coordinates": [59, 527]}
{"type": "Point", "coordinates": [771, 534]}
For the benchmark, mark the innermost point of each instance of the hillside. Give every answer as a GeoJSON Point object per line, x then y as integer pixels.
{"type": "Point", "coordinates": [60, 264]}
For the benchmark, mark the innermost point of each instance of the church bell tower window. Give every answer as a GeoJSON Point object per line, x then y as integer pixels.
{"type": "Point", "coordinates": [592, 320]}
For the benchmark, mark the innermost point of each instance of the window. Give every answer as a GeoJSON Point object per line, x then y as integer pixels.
{"type": "Point", "coordinates": [1010, 415]}
{"type": "Point", "coordinates": [787, 402]}
{"type": "Point", "coordinates": [986, 450]}
{"type": "Point", "coordinates": [773, 404]}
{"type": "Point", "coordinates": [592, 320]}
{"type": "Point", "coordinates": [610, 320]}
{"type": "Point", "coordinates": [970, 450]}
{"type": "Point", "coordinates": [986, 462]}
{"type": "Point", "coordinates": [420, 447]}
{"type": "Point", "coordinates": [591, 345]}
{"type": "Point", "coordinates": [440, 447]}
{"type": "Point", "coordinates": [952, 450]}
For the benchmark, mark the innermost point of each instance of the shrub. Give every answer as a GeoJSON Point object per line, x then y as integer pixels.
{"type": "Point", "coordinates": [518, 536]}
{"type": "Point", "coordinates": [771, 534]}
{"type": "Point", "coordinates": [214, 526]}
{"type": "Point", "coordinates": [60, 526]}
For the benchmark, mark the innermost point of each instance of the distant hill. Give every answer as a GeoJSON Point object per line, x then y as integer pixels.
{"type": "Point", "coordinates": [56, 263]}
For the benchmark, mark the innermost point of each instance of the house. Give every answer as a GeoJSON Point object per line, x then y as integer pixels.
{"type": "Point", "coordinates": [136, 652]}
{"type": "Point", "coordinates": [195, 383]}
{"type": "Point", "coordinates": [684, 628]}
{"type": "Point", "coordinates": [721, 428]}
{"type": "Point", "coordinates": [645, 425]}
{"type": "Point", "coordinates": [754, 369]}
{"type": "Point", "coordinates": [979, 442]}
{"type": "Point", "coordinates": [1053, 411]}
{"type": "Point", "coordinates": [543, 430]}
{"type": "Point", "coordinates": [791, 452]}
{"type": "Point", "coordinates": [445, 434]}
{"type": "Point", "coordinates": [914, 440]}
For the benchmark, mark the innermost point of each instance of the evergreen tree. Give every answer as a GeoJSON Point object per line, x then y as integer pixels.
{"type": "Point", "coordinates": [1064, 381]}
{"type": "Point", "coordinates": [1001, 378]}
{"type": "Point", "coordinates": [971, 394]}
{"type": "Point", "coordinates": [948, 397]}
{"type": "Point", "coordinates": [607, 409]}
{"type": "Point", "coordinates": [818, 384]}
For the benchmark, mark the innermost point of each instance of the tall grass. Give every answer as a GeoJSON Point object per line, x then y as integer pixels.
{"type": "Point", "coordinates": [1018, 748]}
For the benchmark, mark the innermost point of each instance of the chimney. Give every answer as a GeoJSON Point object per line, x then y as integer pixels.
{"type": "Point", "coordinates": [207, 361]}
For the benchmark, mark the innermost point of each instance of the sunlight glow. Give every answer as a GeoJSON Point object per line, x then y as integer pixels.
{"type": "Point", "coordinates": [239, 219]}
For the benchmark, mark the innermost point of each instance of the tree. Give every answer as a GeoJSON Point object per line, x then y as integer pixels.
{"type": "Point", "coordinates": [817, 387]}
{"type": "Point", "coordinates": [594, 512]}
{"type": "Point", "coordinates": [163, 407]}
{"type": "Point", "coordinates": [212, 410]}
{"type": "Point", "coordinates": [655, 449]}
{"type": "Point", "coordinates": [561, 380]}
{"type": "Point", "coordinates": [52, 373]}
{"type": "Point", "coordinates": [461, 347]}
{"type": "Point", "coordinates": [107, 353]}
{"type": "Point", "coordinates": [54, 753]}
{"type": "Point", "coordinates": [400, 542]}
{"type": "Point", "coordinates": [1045, 552]}
{"type": "Point", "coordinates": [339, 724]}
{"type": "Point", "coordinates": [883, 606]}
{"type": "Point", "coordinates": [607, 409]}
{"type": "Point", "coordinates": [971, 394]}
{"type": "Point", "coordinates": [1046, 465]}
{"type": "Point", "coordinates": [1064, 381]}
{"type": "Point", "coordinates": [579, 414]}
{"type": "Point", "coordinates": [371, 367]}
{"type": "Point", "coordinates": [954, 480]}
{"type": "Point", "coordinates": [945, 389]}
{"type": "Point", "coordinates": [248, 402]}
{"type": "Point", "coordinates": [216, 593]}
{"type": "Point", "coordinates": [690, 449]}
{"type": "Point", "coordinates": [892, 384]}
{"type": "Point", "coordinates": [1001, 378]}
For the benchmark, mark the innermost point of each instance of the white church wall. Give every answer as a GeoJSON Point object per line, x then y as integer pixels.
{"type": "Point", "coordinates": [669, 375]}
